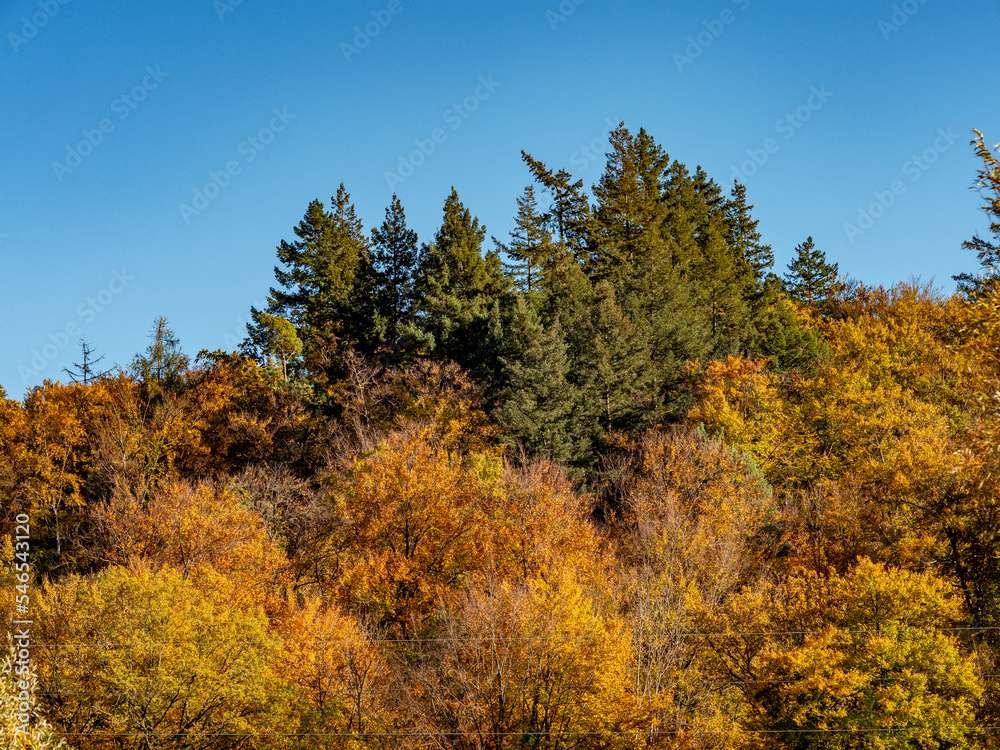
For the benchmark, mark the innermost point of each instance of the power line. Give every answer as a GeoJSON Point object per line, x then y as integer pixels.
{"type": "Point", "coordinates": [518, 639]}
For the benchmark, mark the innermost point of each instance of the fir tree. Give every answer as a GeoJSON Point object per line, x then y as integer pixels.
{"type": "Point", "coordinates": [744, 238]}
{"type": "Point", "coordinates": [538, 401]}
{"type": "Point", "coordinates": [395, 255]}
{"type": "Point", "coordinates": [317, 279]}
{"type": "Point", "coordinates": [987, 252]}
{"type": "Point", "coordinates": [530, 244]}
{"type": "Point", "coordinates": [810, 279]}
{"type": "Point", "coordinates": [619, 363]}
{"type": "Point", "coordinates": [569, 215]}
{"type": "Point", "coordinates": [461, 291]}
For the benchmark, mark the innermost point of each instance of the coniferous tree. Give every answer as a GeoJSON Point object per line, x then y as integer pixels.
{"type": "Point", "coordinates": [810, 278]}
{"type": "Point", "coordinates": [619, 365]}
{"type": "Point", "coordinates": [395, 253]}
{"type": "Point", "coordinates": [162, 366]}
{"type": "Point", "coordinates": [569, 216]}
{"type": "Point", "coordinates": [86, 372]}
{"type": "Point", "coordinates": [317, 280]}
{"type": "Point", "coordinates": [988, 253]}
{"type": "Point", "coordinates": [745, 238]}
{"type": "Point", "coordinates": [462, 291]}
{"type": "Point", "coordinates": [539, 403]}
{"type": "Point", "coordinates": [530, 244]}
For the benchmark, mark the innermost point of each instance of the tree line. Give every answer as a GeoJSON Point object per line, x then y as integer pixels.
{"type": "Point", "coordinates": [573, 492]}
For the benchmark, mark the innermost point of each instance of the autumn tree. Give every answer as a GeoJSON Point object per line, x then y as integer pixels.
{"type": "Point", "coordinates": [416, 525]}
{"type": "Point", "coordinates": [865, 661]}
{"type": "Point", "coordinates": [22, 725]}
{"type": "Point", "coordinates": [137, 659]}
{"type": "Point", "coordinates": [342, 684]}
{"type": "Point", "coordinates": [534, 664]}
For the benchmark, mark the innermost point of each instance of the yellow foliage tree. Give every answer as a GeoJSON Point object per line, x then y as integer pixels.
{"type": "Point", "coordinates": [143, 659]}
{"type": "Point", "coordinates": [22, 726]}
{"type": "Point", "coordinates": [864, 660]}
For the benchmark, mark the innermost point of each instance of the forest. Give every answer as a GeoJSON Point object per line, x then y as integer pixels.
{"type": "Point", "coordinates": [610, 482]}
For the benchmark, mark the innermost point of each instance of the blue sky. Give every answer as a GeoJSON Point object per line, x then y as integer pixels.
{"type": "Point", "coordinates": [153, 155]}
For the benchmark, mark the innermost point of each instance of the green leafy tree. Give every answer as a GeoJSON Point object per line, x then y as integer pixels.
{"type": "Point", "coordinates": [810, 278]}
{"type": "Point", "coordinates": [281, 340]}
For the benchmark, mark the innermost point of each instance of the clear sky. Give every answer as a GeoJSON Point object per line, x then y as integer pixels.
{"type": "Point", "coordinates": [153, 154]}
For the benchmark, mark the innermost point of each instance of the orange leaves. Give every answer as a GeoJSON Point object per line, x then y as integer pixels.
{"type": "Point", "coordinates": [530, 662]}
{"type": "Point", "coordinates": [193, 529]}
{"type": "Point", "coordinates": [417, 524]}
{"type": "Point", "coordinates": [341, 680]}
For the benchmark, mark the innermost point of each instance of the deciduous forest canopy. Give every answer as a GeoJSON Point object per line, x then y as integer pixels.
{"type": "Point", "coordinates": [612, 481]}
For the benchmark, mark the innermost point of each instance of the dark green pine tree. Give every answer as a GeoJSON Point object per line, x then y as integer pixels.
{"type": "Point", "coordinates": [744, 237]}
{"type": "Point", "coordinates": [622, 213]}
{"type": "Point", "coordinates": [620, 395]}
{"type": "Point", "coordinates": [539, 404]}
{"type": "Point", "coordinates": [569, 216]}
{"type": "Point", "coordinates": [317, 279]}
{"type": "Point", "coordinates": [783, 339]}
{"type": "Point", "coordinates": [462, 292]}
{"type": "Point", "coordinates": [394, 256]}
{"type": "Point", "coordinates": [717, 276]}
{"type": "Point", "coordinates": [530, 244]}
{"type": "Point", "coordinates": [988, 184]}
{"type": "Point", "coordinates": [811, 279]}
